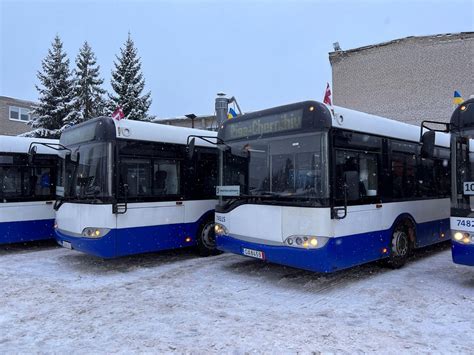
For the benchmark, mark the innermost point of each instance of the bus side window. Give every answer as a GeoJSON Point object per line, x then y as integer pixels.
{"type": "Point", "coordinates": [442, 172]}
{"type": "Point", "coordinates": [136, 173]}
{"type": "Point", "coordinates": [425, 179]}
{"type": "Point", "coordinates": [403, 175]}
{"type": "Point", "coordinates": [40, 181]}
{"type": "Point", "coordinates": [166, 177]}
{"type": "Point", "coordinates": [359, 172]}
{"type": "Point", "coordinates": [442, 178]}
{"type": "Point", "coordinates": [206, 176]}
{"type": "Point", "coordinates": [11, 181]}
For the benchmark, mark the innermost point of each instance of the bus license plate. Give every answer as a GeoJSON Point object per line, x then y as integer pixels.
{"type": "Point", "coordinates": [253, 253]}
{"type": "Point", "coordinates": [67, 245]}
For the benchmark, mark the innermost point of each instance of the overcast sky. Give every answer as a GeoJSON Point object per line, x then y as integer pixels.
{"type": "Point", "coordinates": [266, 53]}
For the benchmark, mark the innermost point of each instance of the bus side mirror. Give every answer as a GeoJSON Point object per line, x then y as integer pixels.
{"type": "Point", "coordinates": [428, 144]}
{"type": "Point", "coordinates": [31, 154]}
{"type": "Point", "coordinates": [190, 148]}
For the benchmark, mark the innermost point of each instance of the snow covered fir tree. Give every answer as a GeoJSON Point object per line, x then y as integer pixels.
{"type": "Point", "coordinates": [89, 101]}
{"type": "Point", "coordinates": [56, 94]}
{"type": "Point", "coordinates": [128, 83]}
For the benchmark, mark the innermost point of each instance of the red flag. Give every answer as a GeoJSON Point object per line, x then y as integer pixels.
{"type": "Point", "coordinates": [327, 96]}
{"type": "Point", "coordinates": [118, 114]}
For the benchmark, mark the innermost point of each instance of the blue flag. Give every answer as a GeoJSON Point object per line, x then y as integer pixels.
{"type": "Point", "coordinates": [457, 100]}
{"type": "Point", "coordinates": [231, 113]}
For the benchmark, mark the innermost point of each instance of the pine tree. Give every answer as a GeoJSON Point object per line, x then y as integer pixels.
{"type": "Point", "coordinates": [88, 95]}
{"type": "Point", "coordinates": [128, 83]}
{"type": "Point", "coordinates": [55, 94]}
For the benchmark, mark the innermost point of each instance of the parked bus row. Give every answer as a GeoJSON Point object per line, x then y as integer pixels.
{"type": "Point", "coordinates": [306, 185]}
{"type": "Point", "coordinates": [323, 189]}
{"type": "Point", "coordinates": [27, 190]}
{"type": "Point", "coordinates": [127, 187]}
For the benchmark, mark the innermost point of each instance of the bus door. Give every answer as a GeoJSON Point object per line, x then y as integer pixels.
{"type": "Point", "coordinates": [358, 208]}
{"type": "Point", "coordinates": [155, 211]}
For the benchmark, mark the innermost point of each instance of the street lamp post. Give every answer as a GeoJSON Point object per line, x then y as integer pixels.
{"type": "Point", "coordinates": [192, 116]}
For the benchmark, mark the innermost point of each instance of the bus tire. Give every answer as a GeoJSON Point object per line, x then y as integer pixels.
{"type": "Point", "coordinates": [400, 246]}
{"type": "Point", "coordinates": [206, 239]}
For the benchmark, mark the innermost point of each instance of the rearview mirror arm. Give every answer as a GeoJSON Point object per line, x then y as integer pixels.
{"type": "Point", "coordinates": [54, 146]}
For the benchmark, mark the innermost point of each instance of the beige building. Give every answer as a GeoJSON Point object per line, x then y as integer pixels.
{"type": "Point", "coordinates": [14, 115]}
{"type": "Point", "coordinates": [409, 79]}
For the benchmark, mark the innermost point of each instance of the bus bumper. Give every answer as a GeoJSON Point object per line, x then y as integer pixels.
{"type": "Point", "coordinates": [462, 253]}
{"type": "Point", "coordinates": [335, 255]}
{"type": "Point", "coordinates": [26, 231]}
{"type": "Point", "coordinates": [103, 247]}
{"type": "Point", "coordinates": [131, 241]}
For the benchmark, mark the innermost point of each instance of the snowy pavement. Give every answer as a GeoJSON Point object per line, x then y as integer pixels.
{"type": "Point", "coordinates": [57, 300]}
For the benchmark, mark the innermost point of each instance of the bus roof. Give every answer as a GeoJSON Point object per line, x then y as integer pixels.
{"type": "Point", "coordinates": [155, 132]}
{"type": "Point", "coordinates": [105, 128]}
{"type": "Point", "coordinates": [12, 144]}
{"type": "Point", "coordinates": [324, 117]}
{"type": "Point", "coordinates": [463, 116]}
{"type": "Point", "coordinates": [364, 122]}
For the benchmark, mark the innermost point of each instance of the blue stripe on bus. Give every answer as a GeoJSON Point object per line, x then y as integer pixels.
{"type": "Point", "coordinates": [463, 253]}
{"type": "Point", "coordinates": [338, 253]}
{"type": "Point", "coordinates": [429, 233]}
{"type": "Point", "coordinates": [136, 240]}
{"type": "Point", "coordinates": [26, 231]}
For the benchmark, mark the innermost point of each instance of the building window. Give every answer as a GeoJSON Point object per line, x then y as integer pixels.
{"type": "Point", "coordinates": [19, 114]}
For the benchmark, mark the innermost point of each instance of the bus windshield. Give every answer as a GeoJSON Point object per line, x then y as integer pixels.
{"type": "Point", "coordinates": [87, 175]}
{"type": "Point", "coordinates": [463, 198]}
{"type": "Point", "coordinates": [462, 149]}
{"type": "Point", "coordinates": [292, 169]}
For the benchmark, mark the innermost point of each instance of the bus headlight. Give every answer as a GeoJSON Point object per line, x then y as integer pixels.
{"type": "Point", "coordinates": [220, 229]}
{"type": "Point", "coordinates": [93, 232]}
{"type": "Point", "coordinates": [306, 241]}
{"type": "Point", "coordinates": [463, 238]}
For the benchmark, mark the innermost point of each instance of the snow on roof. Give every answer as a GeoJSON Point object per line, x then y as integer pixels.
{"type": "Point", "coordinates": [12, 144]}
{"type": "Point", "coordinates": [18, 101]}
{"type": "Point", "coordinates": [445, 36]}
{"type": "Point", "coordinates": [149, 131]}
{"type": "Point", "coordinates": [368, 123]}
{"type": "Point", "coordinates": [158, 120]}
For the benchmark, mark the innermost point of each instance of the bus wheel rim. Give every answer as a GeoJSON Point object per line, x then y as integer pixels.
{"type": "Point", "coordinates": [207, 237]}
{"type": "Point", "coordinates": [401, 244]}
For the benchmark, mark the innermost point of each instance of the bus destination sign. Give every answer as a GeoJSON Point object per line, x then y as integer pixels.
{"type": "Point", "coordinates": [280, 122]}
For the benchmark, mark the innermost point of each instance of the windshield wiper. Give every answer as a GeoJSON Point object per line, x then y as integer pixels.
{"type": "Point", "coordinates": [247, 197]}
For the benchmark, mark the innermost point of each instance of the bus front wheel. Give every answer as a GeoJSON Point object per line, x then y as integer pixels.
{"type": "Point", "coordinates": [206, 238]}
{"type": "Point", "coordinates": [400, 246]}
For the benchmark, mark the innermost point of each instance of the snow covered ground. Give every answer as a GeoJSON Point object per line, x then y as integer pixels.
{"type": "Point", "coordinates": [56, 300]}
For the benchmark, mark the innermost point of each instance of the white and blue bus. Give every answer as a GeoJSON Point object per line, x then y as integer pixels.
{"type": "Point", "coordinates": [129, 187]}
{"type": "Point", "coordinates": [461, 128]}
{"type": "Point", "coordinates": [326, 188]}
{"type": "Point", "coordinates": [27, 190]}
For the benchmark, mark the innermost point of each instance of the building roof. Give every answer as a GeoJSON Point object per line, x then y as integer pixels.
{"type": "Point", "coordinates": [179, 118]}
{"type": "Point", "coordinates": [18, 101]}
{"type": "Point", "coordinates": [437, 37]}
